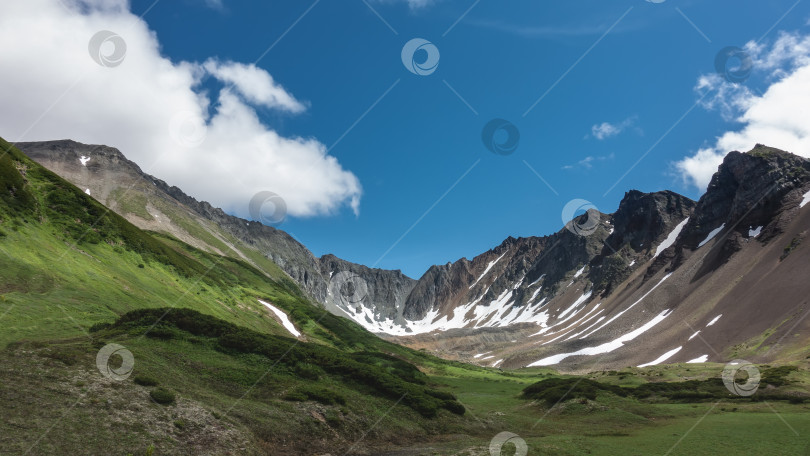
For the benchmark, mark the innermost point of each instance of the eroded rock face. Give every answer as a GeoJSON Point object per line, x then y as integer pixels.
{"type": "Point", "coordinates": [603, 256]}
{"type": "Point", "coordinates": [755, 190]}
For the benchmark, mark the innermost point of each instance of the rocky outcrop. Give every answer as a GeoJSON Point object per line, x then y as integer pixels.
{"type": "Point", "coordinates": [758, 190]}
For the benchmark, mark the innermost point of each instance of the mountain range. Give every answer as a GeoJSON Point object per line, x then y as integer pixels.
{"type": "Point", "coordinates": [137, 320]}
{"type": "Point", "coordinates": [662, 279]}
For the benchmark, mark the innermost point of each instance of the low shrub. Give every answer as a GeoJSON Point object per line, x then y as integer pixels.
{"type": "Point", "coordinates": [162, 396]}
{"type": "Point", "coordinates": [554, 390]}
{"type": "Point", "coordinates": [145, 380]}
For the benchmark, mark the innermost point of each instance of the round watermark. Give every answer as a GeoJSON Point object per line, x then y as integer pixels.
{"type": "Point", "coordinates": [107, 48]}
{"type": "Point", "coordinates": [109, 351]}
{"type": "Point", "coordinates": [505, 438]}
{"type": "Point", "coordinates": [573, 219]}
{"type": "Point", "coordinates": [730, 373]}
{"type": "Point", "coordinates": [733, 64]}
{"type": "Point", "coordinates": [500, 137]}
{"type": "Point", "coordinates": [348, 287]}
{"type": "Point", "coordinates": [420, 56]}
{"type": "Point", "coordinates": [188, 129]}
{"type": "Point", "coordinates": [268, 208]}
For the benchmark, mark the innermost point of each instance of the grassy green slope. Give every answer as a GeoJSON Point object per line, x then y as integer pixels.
{"type": "Point", "coordinates": [69, 266]}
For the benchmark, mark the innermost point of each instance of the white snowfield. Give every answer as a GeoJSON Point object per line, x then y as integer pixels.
{"type": "Point", "coordinates": [699, 359]}
{"type": "Point", "coordinates": [612, 345]}
{"type": "Point", "coordinates": [662, 358]}
{"type": "Point", "coordinates": [805, 200]}
{"type": "Point", "coordinates": [489, 266]}
{"type": "Point", "coordinates": [754, 232]}
{"type": "Point", "coordinates": [711, 235]}
{"type": "Point", "coordinates": [714, 320]}
{"type": "Point", "coordinates": [577, 320]}
{"type": "Point", "coordinates": [667, 243]}
{"type": "Point", "coordinates": [285, 320]}
{"type": "Point", "coordinates": [84, 160]}
{"type": "Point", "coordinates": [606, 347]}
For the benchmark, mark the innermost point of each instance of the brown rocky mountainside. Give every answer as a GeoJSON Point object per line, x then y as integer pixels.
{"type": "Point", "coordinates": [674, 281]}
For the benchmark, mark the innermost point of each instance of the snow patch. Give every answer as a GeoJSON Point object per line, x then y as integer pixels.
{"type": "Point", "coordinates": [606, 347]}
{"type": "Point", "coordinates": [662, 358]}
{"type": "Point", "coordinates": [714, 320]}
{"type": "Point", "coordinates": [579, 273]}
{"type": "Point", "coordinates": [754, 232]}
{"type": "Point", "coordinates": [694, 335]}
{"type": "Point", "coordinates": [576, 303]}
{"type": "Point", "coordinates": [495, 364]}
{"type": "Point", "coordinates": [285, 321]}
{"type": "Point", "coordinates": [632, 262]}
{"type": "Point", "coordinates": [699, 359]}
{"type": "Point", "coordinates": [535, 294]}
{"type": "Point", "coordinates": [805, 200]}
{"type": "Point", "coordinates": [712, 235]}
{"type": "Point", "coordinates": [628, 308]}
{"type": "Point", "coordinates": [87, 191]}
{"type": "Point", "coordinates": [84, 160]}
{"type": "Point", "coordinates": [667, 243]}
{"type": "Point", "coordinates": [489, 266]}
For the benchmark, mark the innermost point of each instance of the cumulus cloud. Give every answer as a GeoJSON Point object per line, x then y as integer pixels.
{"type": "Point", "coordinates": [155, 110]}
{"type": "Point", "coordinates": [606, 129]}
{"type": "Point", "coordinates": [778, 117]}
{"type": "Point", "coordinates": [255, 84]}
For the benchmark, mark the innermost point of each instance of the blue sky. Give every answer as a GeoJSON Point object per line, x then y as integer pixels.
{"type": "Point", "coordinates": [431, 191]}
{"type": "Point", "coordinates": [421, 137]}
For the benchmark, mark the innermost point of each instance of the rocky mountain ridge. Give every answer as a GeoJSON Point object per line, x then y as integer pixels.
{"type": "Point", "coordinates": [596, 287]}
{"type": "Point", "coordinates": [152, 204]}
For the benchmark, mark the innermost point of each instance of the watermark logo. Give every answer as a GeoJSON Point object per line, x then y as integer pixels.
{"type": "Point", "coordinates": [188, 129]}
{"type": "Point", "coordinates": [733, 64]}
{"type": "Point", "coordinates": [500, 137]}
{"type": "Point", "coordinates": [506, 438]}
{"type": "Point", "coordinates": [268, 208]}
{"type": "Point", "coordinates": [420, 57]}
{"type": "Point", "coordinates": [104, 356]}
{"type": "Point", "coordinates": [730, 373]}
{"type": "Point", "coordinates": [577, 223]}
{"type": "Point", "coordinates": [107, 48]}
{"type": "Point", "coordinates": [348, 288]}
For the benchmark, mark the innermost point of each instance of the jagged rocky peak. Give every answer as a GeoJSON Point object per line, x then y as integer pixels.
{"type": "Point", "coordinates": [642, 218]}
{"type": "Point", "coordinates": [643, 225]}
{"type": "Point", "coordinates": [750, 190]}
{"type": "Point", "coordinates": [382, 292]}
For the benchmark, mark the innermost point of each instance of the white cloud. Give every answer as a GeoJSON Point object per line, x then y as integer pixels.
{"type": "Point", "coordinates": [778, 117]}
{"type": "Point", "coordinates": [588, 161]}
{"type": "Point", "coordinates": [413, 4]}
{"type": "Point", "coordinates": [51, 88]}
{"type": "Point", "coordinates": [255, 84]}
{"type": "Point", "coordinates": [606, 129]}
